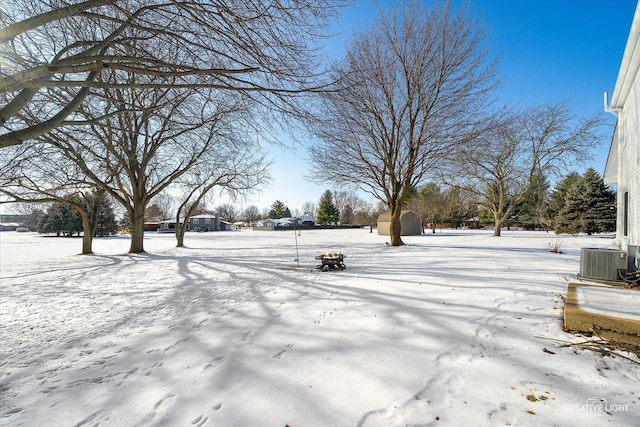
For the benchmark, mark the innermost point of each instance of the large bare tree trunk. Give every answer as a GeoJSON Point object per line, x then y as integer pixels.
{"type": "Point", "coordinates": [497, 228]}
{"type": "Point", "coordinates": [181, 230]}
{"type": "Point", "coordinates": [87, 234]}
{"type": "Point", "coordinates": [395, 228]}
{"type": "Point", "coordinates": [137, 229]}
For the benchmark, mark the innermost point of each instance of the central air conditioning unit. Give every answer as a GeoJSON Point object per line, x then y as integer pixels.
{"type": "Point", "coordinates": [602, 264]}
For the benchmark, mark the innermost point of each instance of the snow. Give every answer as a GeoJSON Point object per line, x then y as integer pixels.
{"type": "Point", "coordinates": [454, 328]}
{"type": "Point", "coordinates": [612, 302]}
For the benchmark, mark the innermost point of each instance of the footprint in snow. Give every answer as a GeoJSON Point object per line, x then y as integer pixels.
{"type": "Point", "coordinates": [150, 370]}
{"type": "Point", "coordinates": [163, 404]}
{"type": "Point", "coordinates": [199, 421]}
{"type": "Point", "coordinates": [281, 352]}
{"type": "Point", "coordinates": [10, 412]}
{"type": "Point", "coordinates": [213, 363]}
{"type": "Point", "coordinates": [175, 344]}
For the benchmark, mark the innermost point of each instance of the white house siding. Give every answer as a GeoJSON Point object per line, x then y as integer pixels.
{"type": "Point", "coordinates": [623, 165]}
{"type": "Point", "coordinates": [630, 154]}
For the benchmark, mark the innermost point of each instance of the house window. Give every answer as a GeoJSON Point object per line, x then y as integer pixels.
{"type": "Point", "coordinates": [625, 214]}
{"type": "Point", "coordinates": [196, 220]}
{"type": "Point", "coordinates": [207, 220]}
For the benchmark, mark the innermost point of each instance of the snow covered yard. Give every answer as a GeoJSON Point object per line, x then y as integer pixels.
{"type": "Point", "coordinates": [449, 330]}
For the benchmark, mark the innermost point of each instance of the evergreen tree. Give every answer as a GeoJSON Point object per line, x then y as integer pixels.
{"type": "Point", "coordinates": [558, 195]}
{"type": "Point", "coordinates": [125, 222]}
{"type": "Point", "coordinates": [65, 218]}
{"type": "Point", "coordinates": [105, 219]}
{"type": "Point", "coordinates": [589, 207]}
{"type": "Point", "coordinates": [533, 210]}
{"type": "Point", "coordinates": [346, 216]}
{"type": "Point", "coordinates": [485, 216]}
{"type": "Point", "coordinates": [279, 210]}
{"type": "Point", "coordinates": [61, 219]}
{"type": "Point", "coordinates": [51, 221]}
{"type": "Point", "coordinates": [328, 213]}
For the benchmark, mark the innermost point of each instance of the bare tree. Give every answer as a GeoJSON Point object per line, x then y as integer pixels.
{"type": "Point", "coordinates": [412, 89]}
{"type": "Point", "coordinates": [310, 208]}
{"type": "Point", "coordinates": [232, 167]}
{"type": "Point", "coordinates": [437, 206]}
{"type": "Point", "coordinates": [227, 212]}
{"type": "Point", "coordinates": [501, 166]}
{"type": "Point", "coordinates": [34, 174]}
{"type": "Point", "coordinates": [153, 213]}
{"type": "Point", "coordinates": [367, 213]}
{"type": "Point", "coordinates": [265, 212]}
{"type": "Point", "coordinates": [251, 215]}
{"type": "Point", "coordinates": [56, 55]}
{"type": "Point", "coordinates": [165, 203]}
{"type": "Point", "coordinates": [347, 203]}
{"type": "Point", "coordinates": [341, 198]}
{"type": "Point", "coordinates": [137, 154]}
{"type": "Point", "coordinates": [429, 204]}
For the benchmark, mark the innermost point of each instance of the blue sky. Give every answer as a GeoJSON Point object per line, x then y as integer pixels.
{"type": "Point", "coordinates": [551, 50]}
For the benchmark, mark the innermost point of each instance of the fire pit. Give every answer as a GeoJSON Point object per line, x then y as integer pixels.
{"type": "Point", "coordinates": [331, 261]}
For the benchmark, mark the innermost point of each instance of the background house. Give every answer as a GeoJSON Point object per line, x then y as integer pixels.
{"type": "Point", "coordinates": [225, 226]}
{"type": "Point", "coordinates": [623, 164]}
{"type": "Point", "coordinates": [282, 224]}
{"type": "Point", "coordinates": [168, 226]}
{"type": "Point", "coordinates": [307, 220]}
{"type": "Point", "coordinates": [10, 222]}
{"type": "Point", "coordinates": [196, 223]}
{"type": "Point", "coordinates": [410, 224]}
{"type": "Point", "coordinates": [204, 222]}
{"type": "Point", "coordinates": [152, 225]}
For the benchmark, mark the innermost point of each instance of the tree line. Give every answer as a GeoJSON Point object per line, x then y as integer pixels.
{"type": "Point", "coordinates": [141, 99]}
{"type": "Point", "coordinates": [333, 207]}
{"type": "Point", "coordinates": [64, 220]}
{"type": "Point", "coordinates": [577, 204]}
{"type": "Point", "coordinates": [415, 105]}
